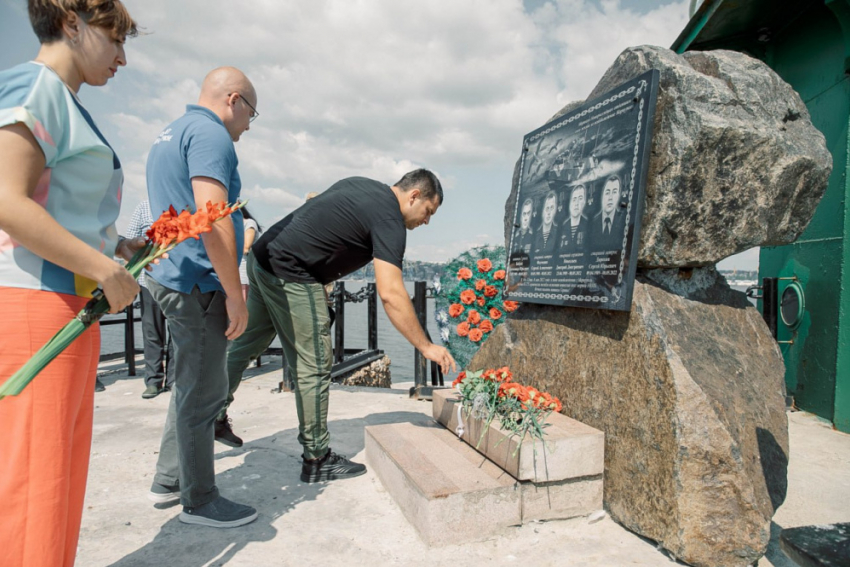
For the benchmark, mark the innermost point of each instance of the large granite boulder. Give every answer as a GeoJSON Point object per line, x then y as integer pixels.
{"type": "Point", "coordinates": [735, 160]}
{"type": "Point", "coordinates": [688, 388]}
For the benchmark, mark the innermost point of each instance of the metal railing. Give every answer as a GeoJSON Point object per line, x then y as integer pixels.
{"type": "Point", "coordinates": [127, 318]}
{"type": "Point", "coordinates": [345, 360]}
{"type": "Point", "coordinates": [421, 389]}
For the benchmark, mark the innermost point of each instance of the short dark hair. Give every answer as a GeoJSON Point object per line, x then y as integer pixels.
{"type": "Point", "coordinates": [425, 181]}
{"type": "Point", "coordinates": [577, 187]}
{"type": "Point", "coordinates": [47, 17]}
{"type": "Point", "coordinates": [611, 178]}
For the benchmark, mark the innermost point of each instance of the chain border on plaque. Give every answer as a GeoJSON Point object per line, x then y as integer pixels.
{"type": "Point", "coordinates": [642, 86]}
{"type": "Point", "coordinates": [561, 296]}
{"type": "Point", "coordinates": [638, 90]}
{"type": "Point", "coordinates": [586, 111]}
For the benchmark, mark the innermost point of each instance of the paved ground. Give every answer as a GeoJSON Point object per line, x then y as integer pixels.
{"type": "Point", "coordinates": [355, 522]}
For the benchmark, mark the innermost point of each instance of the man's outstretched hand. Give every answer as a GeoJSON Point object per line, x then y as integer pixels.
{"type": "Point", "coordinates": [441, 356]}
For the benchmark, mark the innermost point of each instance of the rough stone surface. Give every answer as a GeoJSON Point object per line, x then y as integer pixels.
{"type": "Point", "coordinates": [572, 449]}
{"type": "Point", "coordinates": [376, 375]}
{"type": "Point", "coordinates": [735, 160]}
{"type": "Point", "coordinates": [688, 389]}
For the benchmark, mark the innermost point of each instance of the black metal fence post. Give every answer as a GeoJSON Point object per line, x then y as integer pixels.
{"type": "Point", "coordinates": [420, 363]}
{"type": "Point", "coordinates": [372, 306]}
{"type": "Point", "coordinates": [770, 304]}
{"type": "Point", "coordinates": [339, 309]}
{"type": "Point", "coordinates": [130, 341]}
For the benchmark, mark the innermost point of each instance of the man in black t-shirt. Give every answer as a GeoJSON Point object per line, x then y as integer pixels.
{"type": "Point", "coordinates": [357, 220]}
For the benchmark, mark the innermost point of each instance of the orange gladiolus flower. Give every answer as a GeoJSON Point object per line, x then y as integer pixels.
{"type": "Point", "coordinates": [455, 309]}
{"type": "Point", "coordinates": [511, 306]}
{"type": "Point", "coordinates": [173, 227]}
{"type": "Point", "coordinates": [463, 329]}
{"type": "Point", "coordinates": [490, 291]}
{"type": "Point", "coordinates": [464, 274]}
{"type": "Point", "coordinates": [467, 296]}
{"type": "Point", "coordinates": [485, 265]}
{"type": "Point", "coordinates": [460, 378]}
{"type": "Point", "coordinates": [474, 317]}
{"type": "Point", "coordinates": [479, 285]}
{"type": "Point", "coordinates": [499, 275]}
{"type": "Point", "coordinates": [480, 301]}
{"type": "Point", "coordinates": [475, 335]}
{"type": "Point", "coordinates": [486, 326]}
{"type": "Point", "coordinates": [495, 313]}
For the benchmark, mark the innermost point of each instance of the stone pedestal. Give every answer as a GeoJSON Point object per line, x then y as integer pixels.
{"type": "Point", "coordinates": [445, 489]}
{"type": "Point", "coordinates": [688, 388]}
{"type": "Point", "coordinates": [453, 494]}
{"type": "Point", "coordinates": [572, 449]}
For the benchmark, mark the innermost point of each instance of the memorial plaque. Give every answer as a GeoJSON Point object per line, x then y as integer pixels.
{"type": "Point", "coordinates": [580, 202]}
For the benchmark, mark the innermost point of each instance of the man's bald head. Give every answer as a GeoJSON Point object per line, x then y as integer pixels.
{"type": "Point", "coordinates": [221, 92]}
{"type": "Point", "coordinates": [223, 81]}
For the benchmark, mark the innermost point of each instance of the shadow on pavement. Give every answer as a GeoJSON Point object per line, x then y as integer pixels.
{"type": "Point", "coordinates": [267, 479]}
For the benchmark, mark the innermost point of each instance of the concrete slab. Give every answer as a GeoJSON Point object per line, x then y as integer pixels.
{"type": "Point", "coordinates": [355, 522]}
{"type": "Point", "coordinates": [573, 449]}
{"type": "Point", "coordinates": [448, 491]}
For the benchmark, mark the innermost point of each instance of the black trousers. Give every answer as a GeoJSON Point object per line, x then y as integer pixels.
{"type": "Point", "coordinates": [157, 343]}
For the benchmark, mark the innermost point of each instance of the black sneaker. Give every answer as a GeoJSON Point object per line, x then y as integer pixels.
{"type": "Point", "coordinates": [151, 391]}
{"type": "Point", "coordinates": [220, 513]}
{"type": "Point", "coordinates": [162, 493]}
{"type": "Point", "coordinates": [98, 385]}
{"type": "Point", "coordinates": [224, 432]}
{"type": "Point", "coordinates": [330, 467]}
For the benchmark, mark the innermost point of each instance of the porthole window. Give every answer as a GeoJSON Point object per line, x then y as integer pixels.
{"type": "Point", "coordinates": [792, 305]}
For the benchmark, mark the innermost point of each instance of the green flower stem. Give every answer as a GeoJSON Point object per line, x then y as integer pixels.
{"type": "Point", "coordinates": [92, 312]}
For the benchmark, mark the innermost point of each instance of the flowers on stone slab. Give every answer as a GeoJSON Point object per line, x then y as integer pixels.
{"type": "Point", "coordinates": [492, 393]}
{"type": "Point", "coordinates": [169, 230]}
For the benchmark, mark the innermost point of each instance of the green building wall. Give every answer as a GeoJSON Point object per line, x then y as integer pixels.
{"type": "Point", "coordinates": [812, 53]}
{"type": "Point", "coordinates": [810, 56]}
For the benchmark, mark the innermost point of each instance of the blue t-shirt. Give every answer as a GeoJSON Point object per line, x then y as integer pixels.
{"type": "Point", "coordinates": [195, 145]}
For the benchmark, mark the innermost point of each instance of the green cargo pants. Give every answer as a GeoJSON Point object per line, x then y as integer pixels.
{"type": "Point", "coordinates": [299, 314]}
{"type": "Point", "coordinates": [254, 341]}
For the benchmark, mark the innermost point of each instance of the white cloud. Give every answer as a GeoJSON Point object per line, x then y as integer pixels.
{"type": "Point", "coordinates": [374, 88]}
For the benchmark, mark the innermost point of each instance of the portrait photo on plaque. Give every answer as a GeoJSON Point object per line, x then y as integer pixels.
{"type": "Point", "coordinates": [580, 200]}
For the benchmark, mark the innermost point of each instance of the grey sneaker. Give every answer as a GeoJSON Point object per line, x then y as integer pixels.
{"type": "Point", "coordinates": [151, 391]}
{"type": "Point", "coordinates": [220, 513]}
{"type": "Point", "coordinates": [161, 493]}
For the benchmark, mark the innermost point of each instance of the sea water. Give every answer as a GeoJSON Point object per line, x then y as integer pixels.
{"type": "Point", "coordinates": [390, 340]}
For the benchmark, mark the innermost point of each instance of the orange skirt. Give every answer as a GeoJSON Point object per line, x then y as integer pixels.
{"type": "Point", "coordinates": [45, 432]}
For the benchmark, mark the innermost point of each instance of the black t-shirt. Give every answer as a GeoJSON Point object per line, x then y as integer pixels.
{"type": "Point", "coordinates": [334, 234]}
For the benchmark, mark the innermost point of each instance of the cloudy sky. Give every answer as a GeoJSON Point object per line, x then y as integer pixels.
{"type": "Point", "coordinates": [368, 87]}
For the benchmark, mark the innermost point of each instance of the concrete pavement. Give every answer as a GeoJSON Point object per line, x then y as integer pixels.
{"type": "Point", "coordinates": [355, 522]}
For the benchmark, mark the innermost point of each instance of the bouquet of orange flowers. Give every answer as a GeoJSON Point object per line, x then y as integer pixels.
{"type": "Point", "coordinates": [472, 289]}
{"type": "Point", "coordinates": [169, 230]}
{"type": "Point", "coordinates": [492, 393]}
